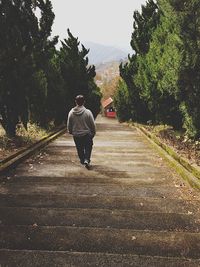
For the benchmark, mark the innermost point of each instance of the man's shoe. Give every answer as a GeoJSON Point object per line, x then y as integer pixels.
{"type": "Point", "coordinates": [87, 165]}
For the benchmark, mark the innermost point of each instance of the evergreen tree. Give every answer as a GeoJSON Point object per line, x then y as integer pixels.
{"type": "Point", "coordinates": [188, 13]}
{"type": "Point", "coordinates": [56, 101]}
{"type": "Point", "coordinates": [158, 70]}
{"type": "Point", "coordinates": [144, 25]}
{"type": "Point", "coordinates": [77, 75]}
{"type": "Point", "coordinates": [23, 41]}
{"type": "Point", "coordinates": [137, 107]}
{"type": "Point", "coordinates": [43, 54]}
{"type": "Point", "coordinates": [164, 72]}
{"type": "Point", "coordinates": [16, 64]}
{"type": "Point", "coordinates": [122, 102]}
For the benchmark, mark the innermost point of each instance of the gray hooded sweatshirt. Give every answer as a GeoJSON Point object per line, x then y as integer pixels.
{"type": "Point", "coordinates": [81, 122]}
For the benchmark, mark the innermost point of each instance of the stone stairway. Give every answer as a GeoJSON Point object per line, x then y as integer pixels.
{"type": "Point", "coordinates": [130, 209]}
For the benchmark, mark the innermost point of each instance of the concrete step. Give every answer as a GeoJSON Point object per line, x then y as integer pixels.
{"type": "Point", "coordinates": [120, 241]}
{"type": "Point", "coordinates": [34, 258]}
{"type": "Point", "coordinates": [66, 150]}
{"type": "Point", "coordinates": [134, 180]}
{"type": "Point", "coordinates": [130, 209]}
{"type": "Point", "coordinates": [100, 218]}
{"type": "Point", "coordinates": [105, 172]}
{"type": "Point", "coordinates": [98, 162]}
{"type": "Point", "coordinates": [114, 170]}
{"type": "Point", "coordinates": [161, 205]}
{"type": "Point", "coordinates": [90, 189]}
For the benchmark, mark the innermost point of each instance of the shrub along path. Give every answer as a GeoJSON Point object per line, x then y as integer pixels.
{"type": "Point", "coordinates": [130, 209]}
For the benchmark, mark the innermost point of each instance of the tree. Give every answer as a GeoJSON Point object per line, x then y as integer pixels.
{"type": "Point", "coordinates": [56, 101]}
{"type": "Point", "coordinates": [23, 41]}
{"type": "Point", "coordinates": [138, 109]}
{"type": "Point", "coordinates": [144, 25]}
{"type": "Point", "coordinates": [43, 53]}
{"type": "Point", "coordinates": [158, 70]}
{"type": "Point", "coordinates": [122, 102]}
{"type": "Point", "coordinates": [164, 71]}
{"type": "Point", "coordinates": [77, 75]}
{"type": "Point", "coordinates": [188, 13]}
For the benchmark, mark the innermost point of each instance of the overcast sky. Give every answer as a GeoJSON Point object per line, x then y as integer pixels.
{"type": "Point", "coordinates": [107, 22]}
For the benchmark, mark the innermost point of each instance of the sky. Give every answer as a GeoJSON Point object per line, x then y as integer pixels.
{"type": "Point", "coordinates": [107, 22]}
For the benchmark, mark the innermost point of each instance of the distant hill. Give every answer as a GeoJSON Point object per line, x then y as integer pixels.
{"type": "Point", "coordinates": [101, 54]}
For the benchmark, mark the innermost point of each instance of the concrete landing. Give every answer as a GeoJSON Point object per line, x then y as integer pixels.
{"type": "Point", "coordinates": [130, 209]}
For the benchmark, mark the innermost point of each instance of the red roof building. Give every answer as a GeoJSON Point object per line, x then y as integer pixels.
{"type": "Point", "coordinates": [109, 110]}
{"type": "Point", "coordinates": [107, 102]}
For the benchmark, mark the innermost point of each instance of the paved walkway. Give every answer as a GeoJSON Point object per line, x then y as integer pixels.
{"type": "Point", "coordinates": [130, 209]}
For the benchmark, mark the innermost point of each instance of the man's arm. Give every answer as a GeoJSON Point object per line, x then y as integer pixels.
{"type": "Point", "coordinates": [92, 124]}
{"type": "Point", "coordinates": [69, 123]}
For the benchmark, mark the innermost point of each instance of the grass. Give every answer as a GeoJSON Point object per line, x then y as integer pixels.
{"type": "Point", "coordinates": [23, 139]}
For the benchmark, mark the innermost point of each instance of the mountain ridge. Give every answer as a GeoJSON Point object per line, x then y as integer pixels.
{"type": "Point", "coordinates": [99, 53]}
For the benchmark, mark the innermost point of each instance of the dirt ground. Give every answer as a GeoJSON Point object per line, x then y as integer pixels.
{"type": "Point", "coordinates": [184, 146]}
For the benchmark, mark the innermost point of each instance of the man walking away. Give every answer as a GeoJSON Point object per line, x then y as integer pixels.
{"type": "Point", "coordinates": [81, 125]}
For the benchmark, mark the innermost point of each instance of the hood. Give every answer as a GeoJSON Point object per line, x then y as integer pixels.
{"type": "Point", "coordinates": [78, 110]}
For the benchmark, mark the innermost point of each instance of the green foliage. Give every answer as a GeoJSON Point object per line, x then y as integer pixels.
{"type": "Point", "coordinates": [144, 24]}
{"type": "Point", "coordinates": [77, 75]}
{"type": "Point", "coordinates": [38, 83]}
{"type": "Point", "coordinates": [158, 70]}
{"type": "Point", "coordinates": [122, 102]}
{"type": "Point", "coordinates": [57, 96]}
{"type": "Point", "coordinates": [189, 123]}
{"type": "Point", "coordinates": [163, 75]}
{"type": "Point", "coordinates": [15, 42]}
{"type": "Point", "coordinates": [93, 101]}
{"type": "Point", "coordinates": [189, 74]}
{"type": "Point", "coordinates": [38, 94]}
{"type": "Point", "coordinates": [23, 44]}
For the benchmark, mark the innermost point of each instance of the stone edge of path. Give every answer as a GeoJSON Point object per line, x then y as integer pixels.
{"type": "Point", "coordinates": [23, 154]}
{"type": "Point", "coordinates": [189, 172]}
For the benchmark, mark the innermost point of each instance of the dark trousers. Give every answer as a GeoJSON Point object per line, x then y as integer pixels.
{"type": "Point", "coordinates": [84, 147]}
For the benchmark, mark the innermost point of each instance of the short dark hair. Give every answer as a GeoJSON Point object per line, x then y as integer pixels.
{"type": "Point", "coordinates": [80, 100]}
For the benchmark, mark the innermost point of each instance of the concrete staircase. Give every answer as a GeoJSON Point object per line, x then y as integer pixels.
{"type": "Point", "coordinates": [130, 209]}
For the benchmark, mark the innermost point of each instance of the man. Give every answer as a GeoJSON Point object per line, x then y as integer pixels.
{"type": "Point", "coordinates": [81, 125]}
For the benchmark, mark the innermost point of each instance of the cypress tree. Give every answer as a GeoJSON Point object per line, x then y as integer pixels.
{"type": "Point", "coordinates": [158, 69]}
{"type": "Point", "coordinates": [77, 75]}
{"type": "Point", "coordinates": [43, 54]}
{"type": "Point", "coordinates": [188, 13]}
{"type": "Point", "coordinates": [144, 25]}
{"type": "Point", "coordinates": [16, 65]}
{"type": "Point", "coordinates": [23, 47]}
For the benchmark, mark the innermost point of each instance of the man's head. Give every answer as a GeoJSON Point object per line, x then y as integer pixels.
{"type": "Point", "coordinates": [80, 100]}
